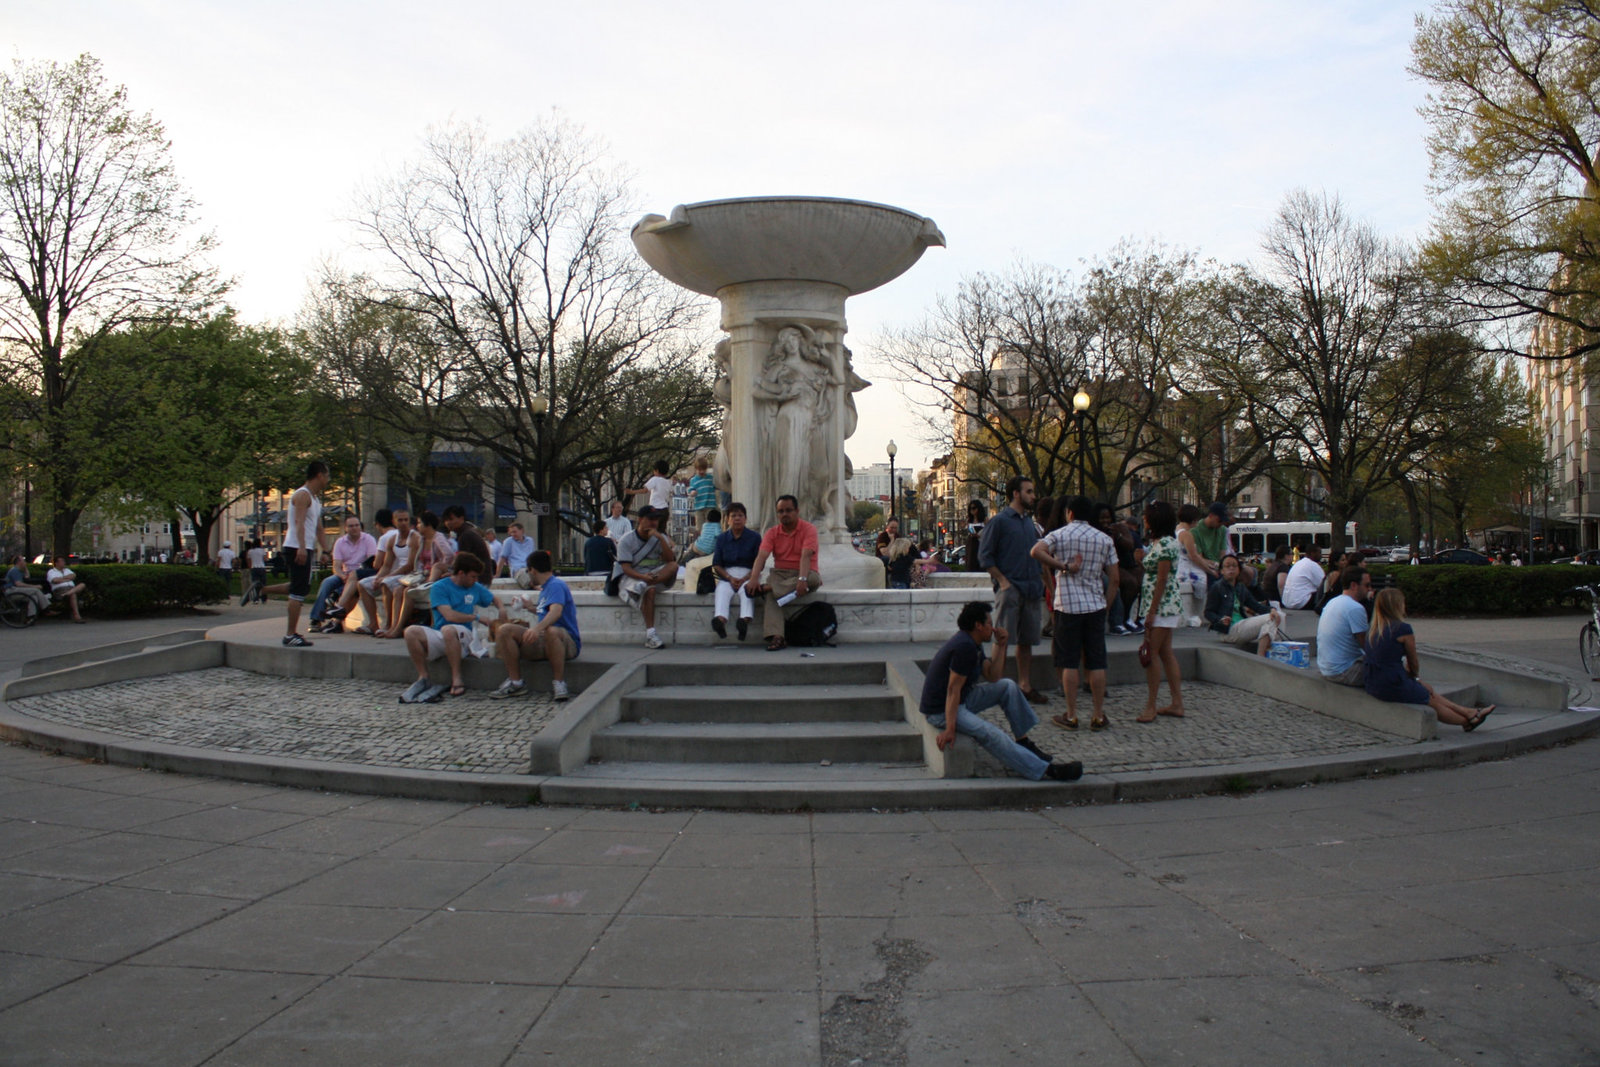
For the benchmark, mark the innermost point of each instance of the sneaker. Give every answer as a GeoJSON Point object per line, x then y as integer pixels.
{"type": "Point", "coordinates": [653, 641]}
{"type": "Point", "coordinates": [1064, 772]}
{"type": "Point", "coordinates": [296, 641]}
{"type": "Point", "coordinates": [558, 691]}
{"type": "Point", "coordinates": [508, 688]}
{"type": "Point", "coordinates": [415, 690]}
{"type": "Point", "coordinates": [1134, 626]}
{"type": "Point", "coordinates": [431, 695]}
{"type": "Point", "coordinates": [1120, 631]}
{"type": "Point", "coordinates": [721, 626]}
{"type": "Point", "coordinates": [744, 627]}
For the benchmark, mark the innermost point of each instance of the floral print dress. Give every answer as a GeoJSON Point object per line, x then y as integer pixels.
{"type": "Point", "coordinates": [1171, 606]}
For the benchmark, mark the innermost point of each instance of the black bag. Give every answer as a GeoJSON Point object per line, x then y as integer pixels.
{"type": "Point", "coordinates": [612, 585]}
{"type": "Point", "coordinates": [813, 625]}
{"type": "Point", "coordinates": [707, 582]}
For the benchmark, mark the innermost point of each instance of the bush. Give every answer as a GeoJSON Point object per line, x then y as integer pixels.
{"type": "Point", "coordinates": [114, 590]}
{"type": "Point", "coordinates": [1459, 589]}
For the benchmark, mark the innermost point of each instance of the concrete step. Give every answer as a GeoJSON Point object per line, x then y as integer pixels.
{"type": "Point", "coordinates": [784, 672]}
{"type": "Point", "coordinates": [762, 704]}
{"type": "Point", "coordinates": [838, 742]}
{"type": "Point", "coordinates": [787, 787]}
{"type": "Point", "coordinates": [1460, 692]}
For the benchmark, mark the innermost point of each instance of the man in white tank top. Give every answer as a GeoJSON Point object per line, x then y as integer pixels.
{"type": "Point", "coordinates": [303, 544]}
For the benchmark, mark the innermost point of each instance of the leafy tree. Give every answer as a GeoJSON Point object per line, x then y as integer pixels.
{"type": "Point", "coordinates": [223, 413]}
{"type": "Point", "coordinates": [92, 239]}
{"type": "Point", "coordinates": [1515, 119]}
{"type": "Point", "coordinates": [861, 513]}
{"type": "Point", "coordinates": [514, 256]}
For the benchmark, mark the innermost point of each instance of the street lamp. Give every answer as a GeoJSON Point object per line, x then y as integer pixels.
{"type": "Point", "coordinates": [893, 451]}
{"type": "Point", "coordinates": [539, 404]}
{"type": "Point", "coordinates": [1080, 414]}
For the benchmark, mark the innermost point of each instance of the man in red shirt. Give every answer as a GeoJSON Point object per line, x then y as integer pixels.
{"type": "Point", "coordinates": [792, 547]}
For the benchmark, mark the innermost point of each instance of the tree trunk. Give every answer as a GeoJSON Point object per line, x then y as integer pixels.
{"type": "Point", "coordinates": [1413, 514]}
{"type": "Point", "coordinates": [62, 522]}
{"type": "Point", "coordinates": [1338, 516]}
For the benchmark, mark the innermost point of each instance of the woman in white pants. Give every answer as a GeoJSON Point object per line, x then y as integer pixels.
{"type": "Point", "coordinates": [1193, 571]}
{"type": "Point", "coordinates": [1234, 612]}
{"type": "Point", "coordinates": [731, 559]}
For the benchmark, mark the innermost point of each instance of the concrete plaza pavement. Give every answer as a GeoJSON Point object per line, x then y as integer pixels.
{"type": "Point", "coordinates": [1438, 917]}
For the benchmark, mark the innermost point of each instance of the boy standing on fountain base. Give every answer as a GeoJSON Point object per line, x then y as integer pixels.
{"type": "Point", "coordinates": [303, 544]}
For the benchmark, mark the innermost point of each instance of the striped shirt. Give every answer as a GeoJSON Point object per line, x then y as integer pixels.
{"type": "Point", "coordinates": [1082, 593]}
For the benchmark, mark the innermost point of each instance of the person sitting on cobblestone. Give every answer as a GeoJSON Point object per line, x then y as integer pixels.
{"type": "Point", "coordinates": [645, 564]}
{"type": "Point", "coordinates": [1235, 613]}
{"type": "Point", "coordinates": [963, 681]}
{"type": "Point", "coordinates": [553, 637]}
{"type": "Point", "coordinates": [456, 602]}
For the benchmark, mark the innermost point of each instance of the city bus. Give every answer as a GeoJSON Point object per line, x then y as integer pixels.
{"type": "Point", "coordinates": [1262, 539]}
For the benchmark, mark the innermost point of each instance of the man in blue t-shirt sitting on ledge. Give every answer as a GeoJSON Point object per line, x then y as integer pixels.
{"type": "Point", "coordinates": [960, 683]}
{"type": "Point", "coordinates": [1342, 630]}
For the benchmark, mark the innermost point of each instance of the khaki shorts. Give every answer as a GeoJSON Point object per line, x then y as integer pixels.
{"type": "Point", "coordinates": [435, 638]}
{"type": "Point", "coordinates": [537, 650]}
{"type": "Point", "coordinates": [420, 595]}
{"type": "Point", "coordinates": [1019, 616]}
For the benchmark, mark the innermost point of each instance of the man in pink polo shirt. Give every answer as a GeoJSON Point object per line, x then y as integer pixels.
{"type": "Point", "coordinates": [792, 547]}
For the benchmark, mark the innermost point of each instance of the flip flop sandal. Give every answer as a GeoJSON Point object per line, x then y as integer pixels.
{"type": "Point", "coordinates": [458, 690]}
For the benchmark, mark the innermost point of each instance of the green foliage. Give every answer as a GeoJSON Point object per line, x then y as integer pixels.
{"type": "Point", "coordinates": [217, 409]}
{"type": "Point", "coordinates": [1459, 589]}
{"type": "Point", "coordinates": [115, 590]}
{"type": "Point", "coordinates": [863, 512]}
{"type": "Point", "coordinates": [93, 224]}
{"type": "Point", "coordinates": [1514, 120]}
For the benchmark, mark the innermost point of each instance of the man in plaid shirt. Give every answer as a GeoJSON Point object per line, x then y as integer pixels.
{"type": "Point", "coordinates": [1083, 562]}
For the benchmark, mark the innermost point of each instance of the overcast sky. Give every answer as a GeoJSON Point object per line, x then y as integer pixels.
{"type": "Point", "coordinates": [1036, 130]}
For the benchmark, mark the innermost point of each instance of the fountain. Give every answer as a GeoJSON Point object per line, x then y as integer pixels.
{"type": "Point", "coordinates": [782, 268]}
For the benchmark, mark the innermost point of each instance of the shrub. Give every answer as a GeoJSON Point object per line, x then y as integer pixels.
{"type": "Point", "coordinates": [114, 590]}
{"type": "Point", "coordinates": [1460, 589]}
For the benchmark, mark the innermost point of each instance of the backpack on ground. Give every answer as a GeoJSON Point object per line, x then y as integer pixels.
{"type": "Point", "coordinates": [815, 624]}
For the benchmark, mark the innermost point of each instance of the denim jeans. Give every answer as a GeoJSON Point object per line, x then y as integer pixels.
{"type": "Point", "coordinates": [1117, 614]}
{"type": "Point", "coordinates": [332, 586]}
{"type": "Point", "coordinates": [1019, 714]}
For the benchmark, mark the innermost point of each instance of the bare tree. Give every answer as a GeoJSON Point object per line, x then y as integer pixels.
{"type": "Point", "coordinates": [1338, 364]}
{"type": "Point", "coordinates": [515, 255]}
{"type": "Point", "coordinates": [1004, 357]}
{"type": "Point", "coordinates": [93, 223]}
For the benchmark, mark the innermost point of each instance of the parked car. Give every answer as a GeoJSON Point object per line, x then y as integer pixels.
{"type": "Point", "coordinates": [1590, 558]}
{"type": "Point", "coordinates": [1400, 554]}
{"type": "Point", "coordinates": [1459, 555]}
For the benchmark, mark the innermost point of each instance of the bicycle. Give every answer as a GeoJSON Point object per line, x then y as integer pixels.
{"type": "Point", "coordinates": [17, 612]}
{"type": "Point", "coordinates": [1589, 636]}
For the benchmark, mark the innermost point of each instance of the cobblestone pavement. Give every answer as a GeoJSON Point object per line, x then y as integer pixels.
{"type": "Point", "coordinates": [343, 720]}
{"type": "Point", "coordinates": [351, 721]}
{"type": "Point", "coordinates": [1221, 725]}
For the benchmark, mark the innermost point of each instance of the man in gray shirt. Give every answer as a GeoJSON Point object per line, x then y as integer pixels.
{"type": "Point", "coordinates": [1005, 552]}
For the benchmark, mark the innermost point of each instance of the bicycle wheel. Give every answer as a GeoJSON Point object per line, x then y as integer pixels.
{"type": "Point", "coordinates": [15, 614]}
{"type": "Point", "coordinates": [1589, 648]}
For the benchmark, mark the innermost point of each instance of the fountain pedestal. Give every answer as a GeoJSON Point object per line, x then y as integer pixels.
{"type": "Point", "coordinates": [782, 268]}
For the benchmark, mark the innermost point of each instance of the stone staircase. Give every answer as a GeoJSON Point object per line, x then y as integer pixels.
{"type": "Point", "coordinates": [752, 734]}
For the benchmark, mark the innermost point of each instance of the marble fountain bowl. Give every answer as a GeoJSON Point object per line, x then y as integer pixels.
{"type": "Point", "coordinates": [854, 244]}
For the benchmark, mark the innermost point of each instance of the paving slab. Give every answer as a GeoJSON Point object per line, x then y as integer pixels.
{"type": "Point", "coordinates": [110, 1017]}
{"type": "Point", "coordinates": [673, 1028]}
{"type": "Point", "coordinates": [387, 1020]}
